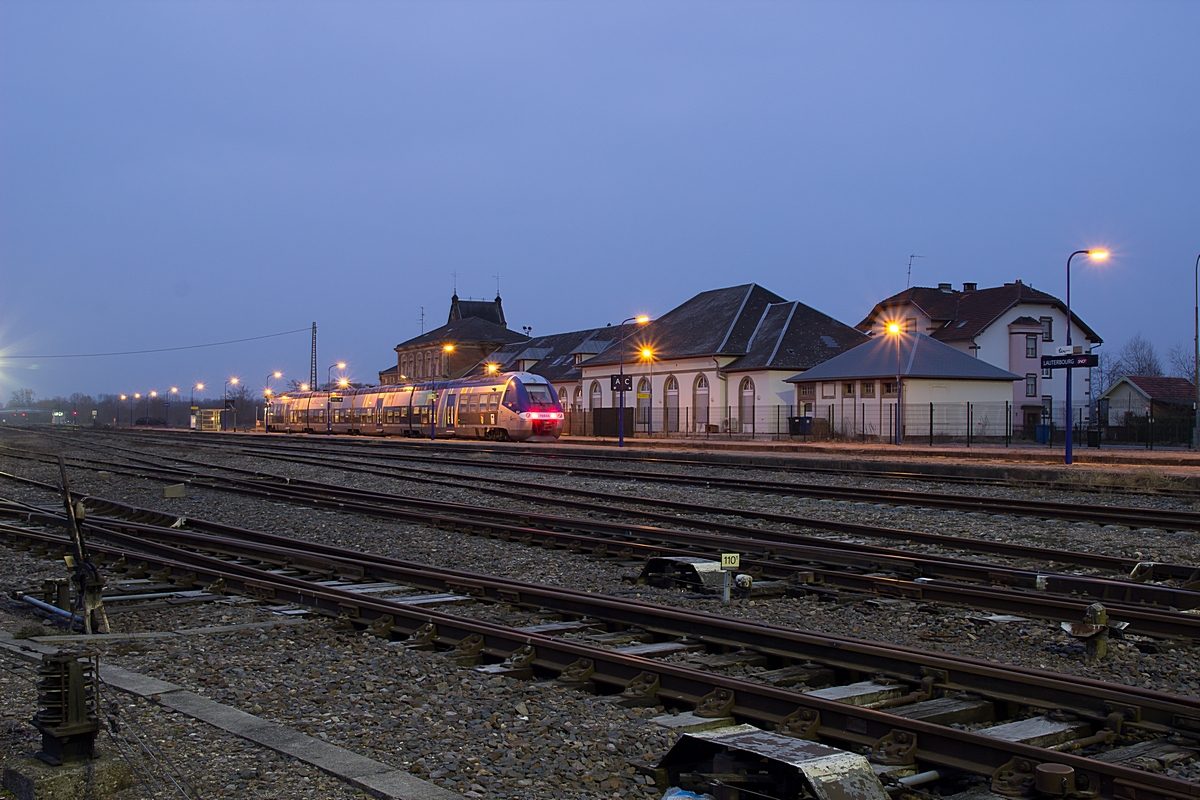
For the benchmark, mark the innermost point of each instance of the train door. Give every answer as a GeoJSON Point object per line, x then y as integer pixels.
{"type": "Point", "coordinates": [379, 414]}
{"type": "Point", "coordinates": [451, 407]}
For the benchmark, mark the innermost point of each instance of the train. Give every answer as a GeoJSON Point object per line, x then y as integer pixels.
{"type": "Point", "coordinates": [510, 406]}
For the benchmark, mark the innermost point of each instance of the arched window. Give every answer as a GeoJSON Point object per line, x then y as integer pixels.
{"type": "Point", "coordinates": [562, 396]}
{"type": "Point", "coordinates": [645, 403]}
{"type": "Point", "coordinates": [577, 405]}
{"type": "Point", "coordinates": [700, 403]}
{"type": "Point", "coordinates": [746, 405]}
{"type": "Point", "coordinates": [671, 405]}
{"type": "Point", "coordinates": [597, 395]}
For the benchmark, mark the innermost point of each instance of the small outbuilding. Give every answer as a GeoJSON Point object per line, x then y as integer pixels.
{"type": "Point", "coordinates": [1147, 408]}
{"type": "Point", "coordinates": [943, 391]}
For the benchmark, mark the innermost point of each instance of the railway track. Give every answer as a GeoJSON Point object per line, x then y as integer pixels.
{"type": "Point", "coordinates": [1123, 516]}
{"type": "Point", "coordinates": [866, 469]}
{"type": "Point", "coordinates": [810, 688]}
{"type": "Point", "coordinates": [808, 565]}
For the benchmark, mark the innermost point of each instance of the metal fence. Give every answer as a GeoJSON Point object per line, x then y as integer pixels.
{"type": "Point", "coordinates": [927, 423]}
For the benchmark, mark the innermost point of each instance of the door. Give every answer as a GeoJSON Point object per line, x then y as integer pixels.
{"type": "Point", "coordinates": [746, 406]}
{"type": "Point", "coordinates": [671, 405]}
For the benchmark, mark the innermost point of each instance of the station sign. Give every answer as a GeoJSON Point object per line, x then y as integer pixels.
{"type": "Point", "coordinates": [1081, 360]}
{"type": "Point", "coordinates": [621, 383]}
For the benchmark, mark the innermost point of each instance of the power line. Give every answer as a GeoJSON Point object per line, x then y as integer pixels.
{"type": "Point", "coordinates": [161, 349]}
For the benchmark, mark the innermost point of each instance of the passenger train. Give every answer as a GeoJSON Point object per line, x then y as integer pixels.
{"type": "Point", "coordinates": [516, 406]}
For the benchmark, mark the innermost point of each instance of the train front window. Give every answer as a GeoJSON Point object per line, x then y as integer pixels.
{"type": "Point", "coordinates": [540, 395]}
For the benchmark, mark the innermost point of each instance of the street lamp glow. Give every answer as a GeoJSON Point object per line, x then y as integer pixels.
{"type": "Point", "coordinates": [174, 390]}
{"type": "Point", "coordinates": [647, 352]}
{"type": "Point", "coordinates": [124, 397]}
{"type": "Point", "coordinates": [304, 387]}
{"type": "Point", "coordinates": [199, 385]}
{"type": "Point", "coordinates": [341, 365]}
{"type": "Point", "coordinates": [137, 395]}
{"type": "Point", "coordinates": [1098, 255]}
{"type": "Point", "coordinates": [342, 382]}
{"type": "Point", "coordinates": [893, 327]}
{"type": "Point", "coordinates": [642, 320]}
{"type": "Point", "coordinates": [278, 374]}
{"type": "Point", "coordinates": [492, 368]}
{"type": "Point", "coordinates": [154, 394]}
{"type": "Point", "coordinates": [233, 381]}
{"type": "Point", "coordinates": [449, 348]}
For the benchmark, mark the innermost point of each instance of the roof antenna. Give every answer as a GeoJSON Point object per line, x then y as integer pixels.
{"type": "Point", "coordinates": [497, 277]}
{"type": "Point", "coordinates": [908, 282]}
{"type": "Point", "coordinates": [455, 276]}
{"type": "Point", "coordinates": [422, 319]}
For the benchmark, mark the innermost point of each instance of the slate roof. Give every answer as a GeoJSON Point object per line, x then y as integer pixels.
{"type": "Point", "coordinates": [965, 315]}
{"type": "Point", "coordinates": [490, 310]}
{"type": "Point", "coordinates": [555, 353]}
{"type": "Point", "coordinates": [1176, 391]}
{"type": "Point", "coordinates": [470, 329]}
{"type": "Point", "coordinates": [719, 322]}
{"type": "Point", "coordinates": [795, 336]}
{"type": "Point", "coordinates": [920, 357]}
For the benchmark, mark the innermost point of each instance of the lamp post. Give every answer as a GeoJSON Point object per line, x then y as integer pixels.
{"type": "Point", "coordinates": [648, 357]}
{"type": "Point", "coordinates": [1196, 365]}
{"type": "Point", "coordinates": [225, 401]}
{"type": "Point", "coordinates": [894, 329]}
{"type": "Point", "coordinates": [328, 421]}
{"type": "Point", "coordinates": [123, 398]}
{"type": "Point", "coordinates": [267, 400]}
{"type": "Point", "coordinates": [1095, 255]}
{"type": "Point", "coordinates": [192, 405]}
{"type": "Point", "coordinates": [167, 406]}
{"type": "Point", "coordinates": [640, 320]}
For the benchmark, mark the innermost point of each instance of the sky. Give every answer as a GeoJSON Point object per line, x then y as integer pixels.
{"type": "Point", "coordinates": [178, 174]}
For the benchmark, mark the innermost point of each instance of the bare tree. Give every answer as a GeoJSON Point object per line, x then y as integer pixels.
{"type": "Point", "coordinates": [1137, 357]}
{"type": "Point", "coordinates": [22, 398]}
{"type": "Point", "coordinates": [1182, 359]}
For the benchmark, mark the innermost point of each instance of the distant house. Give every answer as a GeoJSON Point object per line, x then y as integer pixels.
{"type": "Point", "coordinates": [1142, 396]}
{"type": "Point", "coordinates": [719, 360]}
{"type": "Point", "coordinates": [1009, 326]}
{"type": "Point", "coordinates": [855, 392]}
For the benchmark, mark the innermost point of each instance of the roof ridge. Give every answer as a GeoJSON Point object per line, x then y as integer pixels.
{"type": "Point", "coordinates": [783, 331]}
{"type": "Point", "coordinates": [736, 317]}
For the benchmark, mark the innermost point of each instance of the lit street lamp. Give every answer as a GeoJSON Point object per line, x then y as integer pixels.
{"type": "Point", "coordinates": [640, 320]}
{"type": "Point", "coordinates": [267, 401]}
{"type": "Point", "coordinates": [192, 405]}
{"type": "Point", "coordinates": [123, 398]}
{"type": "Point", "coordinates": [328, 421]}
{"type": "Point", "coordinates": [1095, 255]}
{"type": "Point", "coordinates": [167, 407]}
{"type": "Point", "coordinates": [225, 403]}
{"type": "Point", "coordinates": [894, 329]}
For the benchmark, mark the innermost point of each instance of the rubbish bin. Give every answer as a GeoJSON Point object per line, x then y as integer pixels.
{"type": "Point", "coordinates": [1042, 434]}
{"type": "Point", "coordinates": [799, 426]}
{"type": "Point", "coordinates": [1093, 436]}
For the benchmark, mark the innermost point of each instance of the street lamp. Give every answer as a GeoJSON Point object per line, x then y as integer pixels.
{"type": "Point", "coordinates": [1196, 374]}
{"type": "Point", "coordinates": [267, 401]}
{"type": "Point", "coordinates": [640, 320]}
{"type": "Point", "coordinates": [328, 380]}
{"type": "Point", "coordinates": [1095, 255]}
{"type": "Point", "coordinates": [225, 401]}
{"type": "Point", "coordinates": [192, 405]}
{"type": "Point", "coordinates": [133, 405]}
{"type": "Point", "coordinates": [167, 406]}
{"type": "Point", "coordinates": [123, 398]}
{"type": "Point", "coordinates": [894, 329]}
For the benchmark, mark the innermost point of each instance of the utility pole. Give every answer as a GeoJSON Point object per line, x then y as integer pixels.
{"type": "Point", "coordinates": [312, 364]}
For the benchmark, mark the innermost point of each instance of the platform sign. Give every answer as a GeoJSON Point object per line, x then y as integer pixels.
{"type": "Point", "coordinates": [335, 398]}
{"type": "Point", "coordinates": [731, 560]}
{"type": "Point", "coordinates": [621, 383]}
{"type": "Point", "coordinates": [1081, 360]}
{"type": "Point", "coordinates": [1069, 350]}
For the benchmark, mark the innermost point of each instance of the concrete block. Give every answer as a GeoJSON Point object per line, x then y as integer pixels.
{"type": "Point", "coordinates": [688, 722]}
{"type": "Point", "coordinates": [175, 490]}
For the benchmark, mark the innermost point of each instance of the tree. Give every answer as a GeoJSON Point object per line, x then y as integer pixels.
{"type": "Point", "coordinates": [1183, 362]}
{"type": "Point", "coordinates": [22, 398]}
{"type": "Point", "coordinates": [1137, 357]}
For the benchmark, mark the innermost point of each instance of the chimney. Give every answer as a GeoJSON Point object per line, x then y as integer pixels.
{"type": "Point", "coordinates": [970, 287]}
{"type": "Point", "coordinates": [945, 287]}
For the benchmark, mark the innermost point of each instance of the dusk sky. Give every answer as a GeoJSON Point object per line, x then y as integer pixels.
{"type": "Point", "coordinates": [177, 173]}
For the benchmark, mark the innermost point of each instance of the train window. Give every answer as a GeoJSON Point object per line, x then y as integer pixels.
{"type": "Point", "coordinates": [494, 401]}
{"type": "Point", "coordinates": [474, 405]}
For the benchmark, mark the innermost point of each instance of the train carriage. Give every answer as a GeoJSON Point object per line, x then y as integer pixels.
{"type": "Point", "coordinates": [517, 406]}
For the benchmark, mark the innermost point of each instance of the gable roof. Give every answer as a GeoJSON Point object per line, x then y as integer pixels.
{"type": "Point", "coordinates": [965, 315]}
{"type": "Point", "coordinates": [555, 354]}
{"type": "Point", "coordinates": [795, 336]}
{"type": "Point", "coordinates": [1176, 391]}
{"type": "Point", "coordinates": [468, 330]}
{"type": "Point", "coordinates": [920, 357]}
{"type": "Point", "coordinates": [713, 323]}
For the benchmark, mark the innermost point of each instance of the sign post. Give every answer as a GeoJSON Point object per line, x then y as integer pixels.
{"type": "Point", "coordinates": [729, 563]}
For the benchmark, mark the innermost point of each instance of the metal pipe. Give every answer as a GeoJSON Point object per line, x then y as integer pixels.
{"type": "Point", "coordinates": [922, 778]}
{"type": "Point", "coordinates": [33, 601]}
